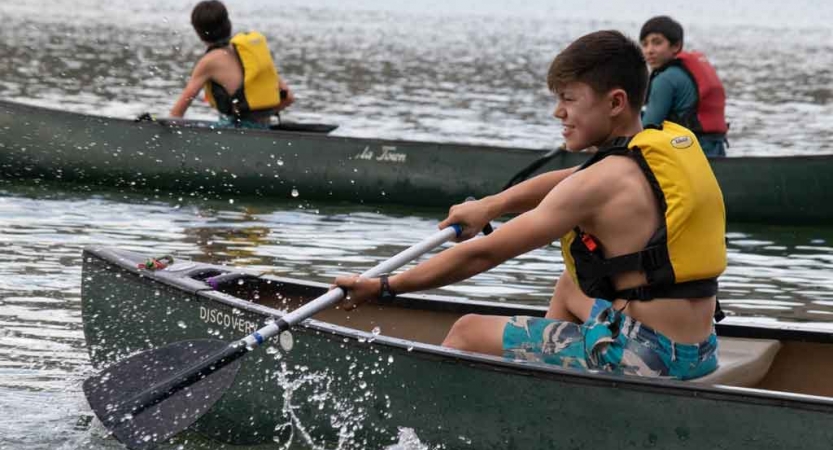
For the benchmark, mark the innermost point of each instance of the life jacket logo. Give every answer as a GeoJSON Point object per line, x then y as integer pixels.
{"type": "Point", "coordinates": [682, 142]}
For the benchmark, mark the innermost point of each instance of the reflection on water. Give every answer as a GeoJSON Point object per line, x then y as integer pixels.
{"type": "Point", "coordinates": [426, 70]}
{"type": "Point", "coordinates": [775, 274]}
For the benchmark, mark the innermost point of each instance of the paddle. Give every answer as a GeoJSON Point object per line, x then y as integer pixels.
{"type": "Point", "coordinates": [151, 396]}
{"type": "Point", "coordinates": [524, 173]}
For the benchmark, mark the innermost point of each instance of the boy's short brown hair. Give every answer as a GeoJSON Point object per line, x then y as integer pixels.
{"type": "Point", "coordinates": [664, 25]}
{"type": "Point", "coordinates": [210, 20]}
{"type": "Point", "coordinates": [604, 60]}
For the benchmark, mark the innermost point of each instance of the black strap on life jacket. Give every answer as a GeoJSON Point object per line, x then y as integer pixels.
{"type": "Point", "coordinates": [218, 44]}
{"type": "Point", "coordinates": [616, 146]}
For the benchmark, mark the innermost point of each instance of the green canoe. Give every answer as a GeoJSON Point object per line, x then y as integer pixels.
{"type": "Point", "coordinates": [360, 377]}
{"type": "Point", "coordinates": [190, 158]}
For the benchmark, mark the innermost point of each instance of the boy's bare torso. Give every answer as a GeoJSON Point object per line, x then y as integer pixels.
{"type": "Point", "coordinates": [624, 219]}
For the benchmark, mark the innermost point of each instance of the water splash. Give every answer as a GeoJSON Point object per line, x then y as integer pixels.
{"type": "Point", "coordinates": [345, 403]}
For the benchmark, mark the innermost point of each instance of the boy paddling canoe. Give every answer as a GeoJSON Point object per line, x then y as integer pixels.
{"type": "Point", "coordinates": [642, 229]}
{"type": "Point", "coordinates": [237, 73]}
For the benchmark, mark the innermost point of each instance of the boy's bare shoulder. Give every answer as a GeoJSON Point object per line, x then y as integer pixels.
{"type": "Point", "coordinates": [613, 166]}
{"type": "Point", "coordinates": [209, 58]}
{"type": "Point", "coordinates": [604, 178]}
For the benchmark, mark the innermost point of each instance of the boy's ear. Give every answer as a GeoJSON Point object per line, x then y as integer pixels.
{"type": "Point", "coordinates": [618, 99]}
{"type": "Point", "coordinates": [676, 48]}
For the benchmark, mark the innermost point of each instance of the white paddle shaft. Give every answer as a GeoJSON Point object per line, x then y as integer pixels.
{"type": "Point", "coordinates": [336, 295]}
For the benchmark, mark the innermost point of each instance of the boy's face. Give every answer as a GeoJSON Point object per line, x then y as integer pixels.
{"type": "Point", "coordinates": [585, 115]}
{"type": "Point", "coordinates": [658, 51]}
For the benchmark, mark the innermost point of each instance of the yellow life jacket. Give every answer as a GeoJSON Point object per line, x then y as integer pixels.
{"type": "Point", "coordinates": [688, 251]}
{"type": "Point", "coordinates": [259, 90]}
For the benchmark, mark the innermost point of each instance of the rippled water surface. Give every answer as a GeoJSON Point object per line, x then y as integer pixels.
{"type": "Point", "coordinates": [461, 70]}
{"type": "Point", "coordinates": [449, 71]}
{"type": "Point", "coordinates": [781, 274]}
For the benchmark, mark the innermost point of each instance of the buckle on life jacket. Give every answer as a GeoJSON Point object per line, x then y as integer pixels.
{"type": "Point", "coordinates": [589, 242]}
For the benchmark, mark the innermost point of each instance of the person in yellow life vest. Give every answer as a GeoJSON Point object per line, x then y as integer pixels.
{"type": "Point", "coordinates": [642, 226]}
{"type": "Point", "coordinates": [237, 73]}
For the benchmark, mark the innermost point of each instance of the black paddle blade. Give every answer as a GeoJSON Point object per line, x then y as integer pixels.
{"type": "Point", "coordinates": [111, 392]}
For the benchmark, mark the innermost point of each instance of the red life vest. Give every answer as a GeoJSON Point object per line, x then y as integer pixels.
{"type": "Point", "coordinates": [711, 103]}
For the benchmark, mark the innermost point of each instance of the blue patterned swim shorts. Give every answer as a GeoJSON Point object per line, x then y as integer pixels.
{"type": "Point", "coordinates": [608, 341]}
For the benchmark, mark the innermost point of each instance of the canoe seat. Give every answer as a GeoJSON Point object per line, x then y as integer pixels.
{"type": "Point", "coordinates": [741, 362]}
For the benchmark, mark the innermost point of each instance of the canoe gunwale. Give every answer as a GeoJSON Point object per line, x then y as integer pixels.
{"type": "Point", "coordinates": [441, 354]}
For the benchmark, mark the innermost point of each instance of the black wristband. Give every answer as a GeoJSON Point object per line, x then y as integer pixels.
{"type": "Point", "coordinates": [386, 294]}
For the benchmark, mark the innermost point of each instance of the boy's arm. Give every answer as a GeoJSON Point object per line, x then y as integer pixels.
{"type": "Point", "coordinates": [199, 77]}
{"type": "Point", "coordinates": [568, 204]}
{"type": "Point", "coordinates": [571, 202]}
{"type": "Point", "coordinates": [659, 101]}
{"type": "Point", "coordinates": [522, 197]}
{"type": "Point", "coordinates": [527, 195]}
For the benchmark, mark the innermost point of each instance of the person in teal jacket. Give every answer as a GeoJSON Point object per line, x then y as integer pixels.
{"type": "Point", "coordinates": [683, 87]}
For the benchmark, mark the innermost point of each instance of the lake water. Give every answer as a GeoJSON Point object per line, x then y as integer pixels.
{"type": "Point", "coordinates": [458, 70]}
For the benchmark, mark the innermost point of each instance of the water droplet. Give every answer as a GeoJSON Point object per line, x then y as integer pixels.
{"type": "Point", "coordinates": [231, 201]}
{"type": "Point", "coordinates": [280, 162]}
{"type": "Point", "coordinates": [362, 384]}
{"type": "Point", "coordinates": [271, 350]}
{"type": "Point", "coordinates": [181, 324]}
{"type": "Point", "coordinates": [375, 331]}
{"type": "Point", "coordinates": [390, 359]}
{"type": "Point", "coordinates": [410, 348]}
{"type": "Point", "coordinates": [295, 192]}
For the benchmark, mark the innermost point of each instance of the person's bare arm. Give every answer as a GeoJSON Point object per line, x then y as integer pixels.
{"type": "Point", "coordinates": [290, 96]}
{"type": "Point", "coordinates": [571, 202]}
{"type": "Point", "coordinates": [473, 216]}
{"type": "Point", "coordinates": [199, 77]}
{"type": "Point", "coordinates": [527, 195]}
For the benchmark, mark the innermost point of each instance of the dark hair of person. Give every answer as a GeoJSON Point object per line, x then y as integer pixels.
{"type": "Point", "coordinates": [604, 60]}
{"type": "Point", "coordinates": [210, 20]}
{"type": "Point", "coordinates": [664, 25]}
